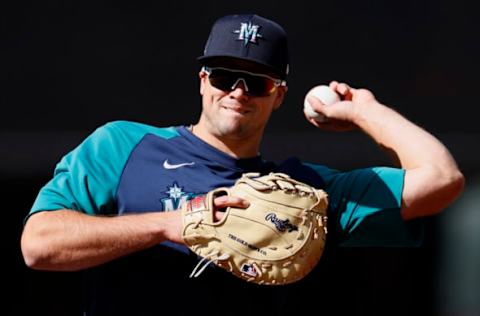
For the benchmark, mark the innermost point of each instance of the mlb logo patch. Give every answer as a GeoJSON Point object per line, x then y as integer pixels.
{"type": "Point", "coordinates": [249, 269]}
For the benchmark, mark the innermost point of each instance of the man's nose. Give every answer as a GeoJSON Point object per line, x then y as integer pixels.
{"type": "Point", "coordinates": [240, 88]}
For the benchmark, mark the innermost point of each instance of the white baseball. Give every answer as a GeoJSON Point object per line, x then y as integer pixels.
{"type": "Point", "coordinates": [326, 95]}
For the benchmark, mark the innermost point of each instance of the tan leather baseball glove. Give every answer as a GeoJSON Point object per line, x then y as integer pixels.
{"type": "Point", "coordinates": [277, 239]}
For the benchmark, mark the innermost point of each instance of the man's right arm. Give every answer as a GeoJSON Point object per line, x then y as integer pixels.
{"type": "Point", "coordinates": [67, 240]}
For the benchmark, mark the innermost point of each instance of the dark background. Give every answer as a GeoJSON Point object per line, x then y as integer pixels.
{"type": "Point", "coordinates": [68, 67]}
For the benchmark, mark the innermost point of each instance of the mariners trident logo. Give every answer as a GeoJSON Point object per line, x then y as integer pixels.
{"type": "Point", "coordinates": [176, 197]}
{"type": "Point", "coordinates": [248, 33]}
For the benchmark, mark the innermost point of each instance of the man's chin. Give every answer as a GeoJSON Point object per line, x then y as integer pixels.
{"type": "Point", "coordinates": [231, 127]}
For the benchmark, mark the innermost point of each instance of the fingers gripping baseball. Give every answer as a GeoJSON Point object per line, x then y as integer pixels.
{"type": "Point", "coordinates": [326, 106]}
{"type": "Point", "coordinates": [343, 89]}
{"type": "Point", "coordinates": [313, 109]}
{"type": "Point", "coordinates": [340, 115]}
{"type": "Point", "coordinates": [347, 93]}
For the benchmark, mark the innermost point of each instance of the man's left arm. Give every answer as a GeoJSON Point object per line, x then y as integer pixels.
{"type": "Point", "coordinates": [432, 178]}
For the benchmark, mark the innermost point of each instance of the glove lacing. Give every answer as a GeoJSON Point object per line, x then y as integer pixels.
{"type": "Point", "coordinates": [196, 273]}
{"type": "Point", "coordinates": [283, 182]}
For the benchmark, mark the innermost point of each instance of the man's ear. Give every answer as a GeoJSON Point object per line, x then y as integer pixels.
{"type": "Point", "coordinates": [203, 77]}
{"type": "Point", "coordinates": [280, 96]}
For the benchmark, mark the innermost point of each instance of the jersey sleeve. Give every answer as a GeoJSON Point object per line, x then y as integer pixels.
{"type": "Point", "coordinates": [86, 179]}
{"type": "Point", "coordinates": [365, 207]}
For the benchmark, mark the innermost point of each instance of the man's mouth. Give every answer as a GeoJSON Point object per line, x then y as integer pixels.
{"type": "Point", "coordinates": [236, 108]}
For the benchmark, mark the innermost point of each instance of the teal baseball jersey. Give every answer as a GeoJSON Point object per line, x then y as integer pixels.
{"type": "Point", "coordinates": [127, 167]}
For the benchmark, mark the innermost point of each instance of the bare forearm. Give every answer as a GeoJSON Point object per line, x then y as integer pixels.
{"type": "Point", "coordinates": [432, 179]}
{"type": "Point", "coordinates": [70, 240]}
{"type": "Point", "coordinates": [413, 146]}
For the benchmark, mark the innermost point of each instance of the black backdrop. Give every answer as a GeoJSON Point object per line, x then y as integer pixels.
{"type": "Point", "coordinates": [68, 67]}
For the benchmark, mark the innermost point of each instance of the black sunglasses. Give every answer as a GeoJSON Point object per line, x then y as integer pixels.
{"type": "Point", "coordinates": [256, 85]}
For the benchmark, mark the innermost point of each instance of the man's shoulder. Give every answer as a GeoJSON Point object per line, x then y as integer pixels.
{"type": "Point", "coordinates": [122, 136]}
{"type": "Point", "coordinates": [135, 129]}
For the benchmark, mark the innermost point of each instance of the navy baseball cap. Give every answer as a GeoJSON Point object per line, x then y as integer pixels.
{"type": "Point", "coordinates": [247, 40]}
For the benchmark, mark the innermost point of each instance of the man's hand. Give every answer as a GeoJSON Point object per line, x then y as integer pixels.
{"type": "Point", "coordinates": [341, 115]}
{"type": "Point", "coordinates": [174, 224]}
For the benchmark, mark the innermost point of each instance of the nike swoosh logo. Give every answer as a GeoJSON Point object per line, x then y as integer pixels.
{"type": "Point", "coordinates": [167, 165]}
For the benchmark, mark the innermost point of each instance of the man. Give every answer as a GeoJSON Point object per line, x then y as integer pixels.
{"type": "Point", "coordinates": [112, 207]}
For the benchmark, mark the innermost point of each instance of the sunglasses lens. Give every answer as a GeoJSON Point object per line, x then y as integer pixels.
{"type": "Point", "coordinates": [260, 86]}
{"type": "Point", "coordinates": [226, 80]}
{"type": "Point", "coordinates": [222, 79]}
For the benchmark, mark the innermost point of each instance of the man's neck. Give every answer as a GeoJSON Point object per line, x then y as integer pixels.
{"type": "Point", "coordinates": [233, 146]}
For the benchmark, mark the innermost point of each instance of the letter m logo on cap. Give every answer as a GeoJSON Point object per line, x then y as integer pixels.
{"type": "Point", "coordinates": [248, 33]}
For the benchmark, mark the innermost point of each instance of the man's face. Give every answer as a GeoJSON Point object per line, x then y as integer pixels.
{"type": "Point", "coordinates": [234, 113]}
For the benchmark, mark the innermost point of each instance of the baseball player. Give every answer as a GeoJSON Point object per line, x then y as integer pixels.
{"type": "Point", "coordinates": [111, 208]}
